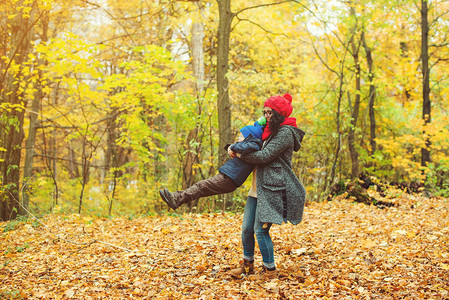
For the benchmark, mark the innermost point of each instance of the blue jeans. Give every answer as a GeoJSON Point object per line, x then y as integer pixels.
{"type": "Point", "coordinates": [250, 226]}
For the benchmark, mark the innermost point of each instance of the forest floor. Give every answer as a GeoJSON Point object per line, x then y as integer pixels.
{"type": "Point", "coordinates": [342, 250]}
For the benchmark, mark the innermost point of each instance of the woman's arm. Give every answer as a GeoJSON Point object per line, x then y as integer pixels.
{"type": "Point", "coordinates": [278, 144]}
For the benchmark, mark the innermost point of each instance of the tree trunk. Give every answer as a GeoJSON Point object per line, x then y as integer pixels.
{"type": "Point", "coordinates": [352, 130]}
{"type": "Point", "coordinates": [425, 151]}
{"type": "Point", "coordinates": [49, 154]}
{"type": "Point", "coordinates": [72, 164]}
{"type": "Point", "coordinates": [404, 54]}
{"type": "Point", "coordinates": [28, 165]}
{"type": "Point", "coordinates": [111, 162]}
{"type": "Point", "coordinates": [223, 104]}
{"type": "Point", "coordinates": [192, 146]}
{"type": "Point", "coordinates": [190, 159]}
{"type": "Point", "coordinates": [328, 183]}
{"type": "Point", "coordinates": [53, 163]}
{"type": "Point", "coordinates": [35, 103]}
{"type": "Point", "coordinates": [355, 109]}
{"type": "Point", "coordinates": [198, 53]}
{"type": "Point", "coordinates": [85, 172]}
{"type": "Point", "coordinates": [372, 94]}
{"type": "Point", "coordinates": [11, 129]}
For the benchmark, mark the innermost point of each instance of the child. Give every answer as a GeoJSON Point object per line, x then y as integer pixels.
{"type": "Point", "coordinates": [231, 175]}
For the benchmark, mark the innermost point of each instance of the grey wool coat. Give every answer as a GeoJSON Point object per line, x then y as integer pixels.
{"type": "Point", "coordinates": [280, 195]}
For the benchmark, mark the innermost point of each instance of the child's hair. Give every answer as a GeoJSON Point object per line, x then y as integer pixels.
{"type": "Point", "coordinates": [275, 122]}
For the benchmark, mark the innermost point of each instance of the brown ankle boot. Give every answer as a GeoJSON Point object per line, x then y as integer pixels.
{"type": "Point", "coordinates": [266, 274]}
{"type": "Point", "coordinates": [246, 268]}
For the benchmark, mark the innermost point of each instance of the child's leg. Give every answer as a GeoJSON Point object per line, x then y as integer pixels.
{"type": "Point", "coordinates": [218, 184]}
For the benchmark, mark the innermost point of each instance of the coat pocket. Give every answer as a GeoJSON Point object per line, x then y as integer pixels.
{"type": "Point", "coordinates": [274, 188]}
{"type": "Point", "coordinates": [273, 178]}
{"type": "Point", "coordinates": [275, 203]}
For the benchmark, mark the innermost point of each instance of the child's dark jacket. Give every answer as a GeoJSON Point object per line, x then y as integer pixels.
{"type": "Point", "coordinates": [237, 169]}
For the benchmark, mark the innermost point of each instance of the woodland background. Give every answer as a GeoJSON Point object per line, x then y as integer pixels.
{"type": "Point", "coordinates": [105, 102]}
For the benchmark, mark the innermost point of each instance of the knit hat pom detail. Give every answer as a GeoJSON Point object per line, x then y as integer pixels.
{"type": "Point", "coordinates": [288, 97]}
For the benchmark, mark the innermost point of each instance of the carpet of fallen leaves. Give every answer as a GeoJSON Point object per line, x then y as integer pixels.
{"type": "Point", "coordinates": [342, 250]}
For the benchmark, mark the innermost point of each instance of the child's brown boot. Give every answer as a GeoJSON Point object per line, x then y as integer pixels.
{"type": "Point", "coordinates": [246, 267]}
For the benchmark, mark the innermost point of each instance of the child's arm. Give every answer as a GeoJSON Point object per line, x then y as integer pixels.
{"type": "Point", "coordinates": [246, 146]}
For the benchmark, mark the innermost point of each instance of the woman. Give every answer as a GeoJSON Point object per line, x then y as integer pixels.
{"type": "Point", "coordinates": [276, 195]}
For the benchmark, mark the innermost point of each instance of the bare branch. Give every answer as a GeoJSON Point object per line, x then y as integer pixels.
{"type": "Point", "coordinates": [263, 5]}
{"type": "Point", "coordinates": [322, 60]}
{"type": "Point", "coordinates": [437, 61]}
{"type": "Point", "coordinates": [260, 26]}
{"type": "Point", "coordinates": [69, 160]}
{"type": "Point", "coordinates": [439, 46]}
{"type": "Point", "coordinates": [112, 18]}
{"type": "Point", "coordinates": [436, 19]}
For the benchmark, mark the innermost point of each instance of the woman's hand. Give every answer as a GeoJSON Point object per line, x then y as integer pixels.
{"type": "Point", "coordinates": [231, 153]}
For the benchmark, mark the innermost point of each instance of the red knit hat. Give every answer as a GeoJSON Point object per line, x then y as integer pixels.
{"type": "Point", "coordinates": [281, 104]}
